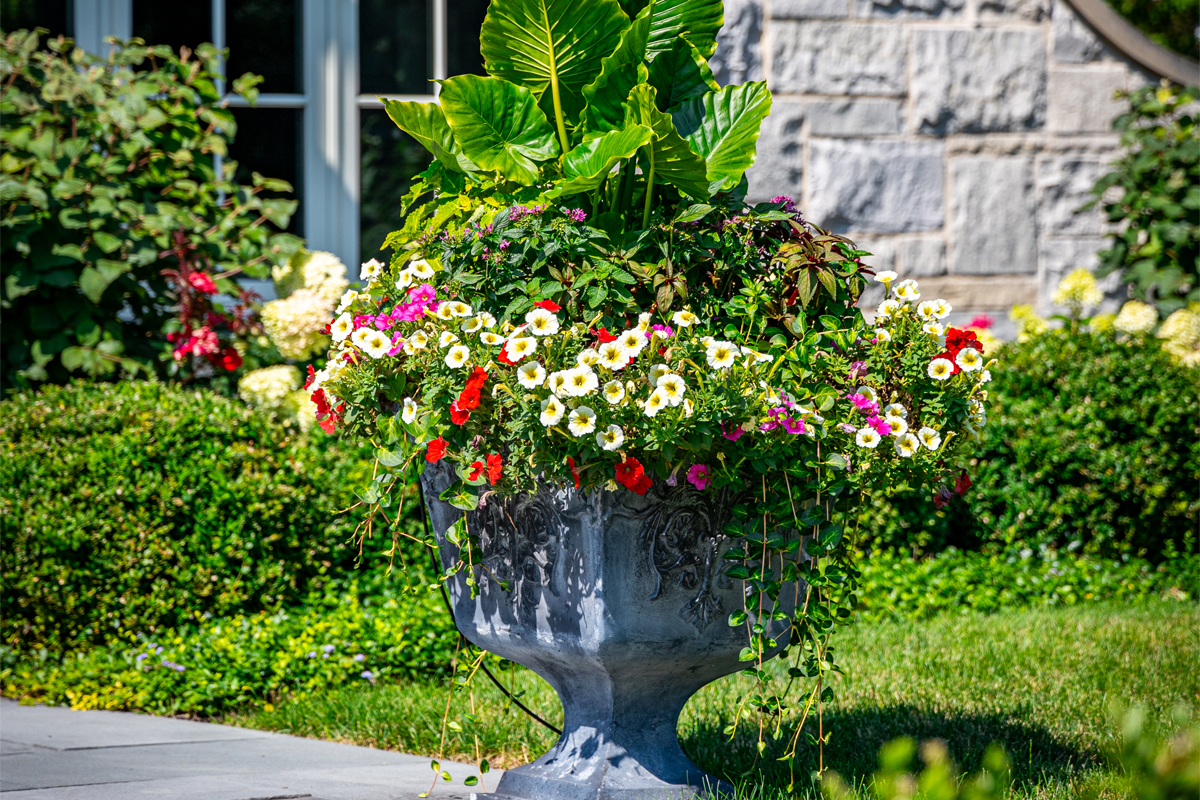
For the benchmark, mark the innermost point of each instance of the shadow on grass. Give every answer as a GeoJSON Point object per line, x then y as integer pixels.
{"type": "Point", "coordinates": [1038, 755]}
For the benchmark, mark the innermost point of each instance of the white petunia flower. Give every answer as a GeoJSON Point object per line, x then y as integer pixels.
{"type": "Point", "coordinates": [471, 325]}
{"type": "Point", "coordinates": [907, 291]}
{"type": "Point", "coordinates": [558, 382]}
{"type": "Point", "coordinates": [404, 280]}
{"type": "Point", "coordinates": [656, 402]}
{"type": "Point", "coordinates": [755, 356]}
{"type": "Point", "coordinates": [612, 356]}
{"type": "Point", "coordinates": [895, 410]}
{"type": "Point", "coordinates": [520, 347]}
{"type": "Point", "coordinates": [632, 342]}
{"type": "Point", "coordinates": [408, 414]}
{"type": "Point", "coordinates": [720, 355]}
{"type": "Point", "coordinates": [587, 358]}
{"type": "Point", "coordinates": [867, 437]}
{"type": "Point", "coordinates": [614, 392]}
{"type": "Point", "coordinates": [417, 341]}
{"type": "Point", "coordinates": [487, 319]}
{"type": "Point", "coordinates": [868, 392]}
{"type": "Point", "coordinates": [457, 356]}
{"type": "Point", "coordinates": [541, 322]}
{"type": "Point", "coordinates": [611, 437]}
{"type": "Point", "coordinates": [906, 445]}
{"type": "Point", "coordinates": [531, 375]}
{"type": "Point", "coordinates": [883, 335]}
{"type": "Point", "coordinates": [342, 327]}
{"type": "Point", "coordinates": [934, 329]}
{"type": "Point", "coordinates": [376, 344]}
{"type": "Point", "coordinates": [943, 309]}
{"type": "Point", "coordinates": [582, 421]}
{"type": "Point", "coordinates": [552, 411]}
{"type": "Point", "coordinates": [643, 322]}
{"type": "Point", "coordinates": [685, 319]}
{"type": "Point", "coordinates": [491, 339]}
{"type": "Point", "coordinates": [446, 339]}
{"type": "Point", "coordinates": [927, 310]}
{"type": "Point", "coordinates": [897, 425]}
{"type": "Point", "coordinates": [347, 299]}
{"type": "Point", "coordinates": [359, 337]}
{"type": "Point", "coordinates": [930, 438]}
{"type": "Point", "coordinates": [886, 277]}
{"type": "Point", "coordinates": [887, 308]}
{"type": "Point", "coordinates": [581, 381]}
{"type": "Point", "coordinates": [370, 271]}
{"type": "Point", "coordinates": [969, 359]}
{"type": "Point", "coordinates": [940, 369]}
{"type": "Point", "coordinates": [674, 387]}
{"type": "Point", "coordinates": [443, 312]}
{"type": "Point", "coordinates": [656, 372]}
{"type": "Point", "coordinates": [421, 269]}
{"type": "Point", "coordinates": [689, 407]}
{"type": "Point", "coordinates": [985, 376]}
{"type": "Point", "coordinates": [459, 309]}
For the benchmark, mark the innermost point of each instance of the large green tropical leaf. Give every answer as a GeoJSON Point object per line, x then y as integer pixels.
{"type": "Point", "coordinates": [586, 166]}
{"type": "Point", "coordinates": [551, 45]}
{"type": "Point", "coordinates": [680, 74]}
{"type": "Point", "coordinates": [673, 160]}
{"type": "Point", "coordinates": [498, 125]}
{"type": "Point", "coordinates": [426, 122]}
{"type": "Point", "coordinates": [723, 127]}
{"type": "Point", "coordinates": [697, 20]}
{"type": "Point", "coordinates": [619, 72]}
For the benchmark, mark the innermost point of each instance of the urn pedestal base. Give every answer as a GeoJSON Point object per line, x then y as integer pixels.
{"type": "Point", "coordinates": [621, 603]}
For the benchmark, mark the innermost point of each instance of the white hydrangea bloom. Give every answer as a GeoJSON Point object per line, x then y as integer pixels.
{"type": "Point", "coordinates": [269, 387]}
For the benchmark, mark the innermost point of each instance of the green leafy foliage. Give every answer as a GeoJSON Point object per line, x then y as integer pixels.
{"type": "Point", "coordinates": [1153, 198]}
{"type": "Point", "coordinates": [1170, 23]}
{"type": "Point", "coordinates": [938, 780]}
{"type": "Point", "coordinates": [104, 164]}
{"type": "Point", "coordinates": [1092, 446]}
{"type": "Point", "coordinates": [132, 507]}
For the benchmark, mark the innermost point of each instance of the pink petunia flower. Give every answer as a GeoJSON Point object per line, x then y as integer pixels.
{"type": "Point", "coordinates": [734, 433]}
{"type": "Point", "coordinates": [699, 476]}
{"type": "Point", "coordinates": [422, 294]}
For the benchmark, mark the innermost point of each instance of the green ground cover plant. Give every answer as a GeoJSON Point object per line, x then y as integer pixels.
{"type": "Point", "coordinates": [137, 507]}
{"type": "Point", "coordinates": [1041, 683]}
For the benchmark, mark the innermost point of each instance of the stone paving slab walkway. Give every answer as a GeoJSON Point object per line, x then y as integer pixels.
{"type": "Point", "coordinates": [51, 753]}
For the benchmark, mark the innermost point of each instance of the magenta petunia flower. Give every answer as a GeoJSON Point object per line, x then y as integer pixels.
{"type": "Point", "coordinates": [422, 294]}
{"type": "Point", "coordinates": [734, 433]}
{"type": "Point", "coordinates": [699, 476]}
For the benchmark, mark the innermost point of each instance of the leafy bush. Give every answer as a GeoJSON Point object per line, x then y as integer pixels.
{"type": "Point", "coordinates": [1155, 198]}
{"type": "Point", "coordinates": [959, 582]}
{"type": "Point", "coordinates": [1170, 23]}
{"type": "Point", "coordinates": [1093, 446]}
{"type": "Point", "coordinates": [132, 507]}
{"type": "Point", "coordinates": [357, 634]}
{"type": "Point", "coordinates": [108, 167]}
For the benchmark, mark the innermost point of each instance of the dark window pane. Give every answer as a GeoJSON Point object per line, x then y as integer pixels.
{"type": "Point", "coordinates": [269, 142]}
{"type": "Point", "coordinates": [464, 18]}
{"type": "Point", "coordinates": [264, 38]}
{"type": "Point", "coordinates": [188, 22]}
{"type": "Point", "coordinates": [394, 47]}
{"type": "Point", "coordinates": [390, 160]}
{"type": "Point", "coordinates": [52, 15]}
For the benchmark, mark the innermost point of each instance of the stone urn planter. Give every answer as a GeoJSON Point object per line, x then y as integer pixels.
{"type": "Point", "coordinates": [619, 602]}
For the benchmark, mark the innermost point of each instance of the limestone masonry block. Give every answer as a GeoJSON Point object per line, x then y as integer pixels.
{"type": "Point", "coordinates": [866, 117]}
{"type": "Point", "coordinates": [838, 58]}
{"type": "Point", "coordinates": [1074, 40]}
{"type": "Point", "coordinates": [921, 256]}
{"type": "Point", "coordinates": [1015, 10]}
{"type": "Point", "coordinates": [1064, 184]}
{"type": "Point", "coordinates": [882, 249]}
{"type": "Point", "coordinates": [979, 80]}
{"type": "Point", "coordinates": [909, 9]}
{"type": "Point", "coordinates": [992, 293]}
{"type": "Point", "coordinates": [1081, 98]}
{"type": "Point", "coordinates": [780, 163]}
{"type": "Point", "coordinates": [876, 186]}
{"type": "Point", "coordinates": [739, 52]}
{"type": "Point", "coordinates": [994, 229]}
{"type": "Point", "coordinates": [810, 9]}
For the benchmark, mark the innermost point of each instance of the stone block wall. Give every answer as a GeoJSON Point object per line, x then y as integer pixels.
{"type": "Point", "coordinates": [955, 139]}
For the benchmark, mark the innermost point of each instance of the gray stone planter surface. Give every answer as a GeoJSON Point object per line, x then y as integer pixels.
{"type": "Point", "coordinates": [619, 602]}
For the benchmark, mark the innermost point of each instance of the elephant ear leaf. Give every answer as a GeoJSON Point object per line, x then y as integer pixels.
{"type": "Point", "coordinates": [586, 166]}
{"type": "Point", "coordinates": [426, 122]}
{"type": "Point", "coordinates": [551, 47]}
{"type": "Point", "coordinates": [723, 127]}
{"type": "Point", "coordinates": [674, 161]}
{"type": "Point", "coordinates": [619, 72]}
{"type": "Point", "coordinates": [499, 126]}
{"type": "Point", "coordinates": [696, 20]}
{"type": "Point", "coordinates": [680, 74]}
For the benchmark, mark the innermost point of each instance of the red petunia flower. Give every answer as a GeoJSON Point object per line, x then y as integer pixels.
{"type": "Point", "coordinates": [312, 375]}
{"type": "Point", "coordinates": [477, 378]}
{"type": "Point", "coordinates": [962, 484]}
{"type": "Point", "coordinates": [632, 476]}
{"type": "Point", "coordinates": [459, 416]}
{"type": "Point", "coordinates": [549, 305]}
{"type": "Point", "coordinates": [503, 357]}
{"type": "Point", "coordinates": [604, 336]}
{"type": "Point", "coordinates": [437, 449]}
{"type": "Point", "coordinates": [469, 398]}
{"type": "Point", "coordinates": [477, 469]}
{"type": "Point", "coordinates": [494, 466]}
{"type": "Point", "coordinates": [574, 473]}
{"type": "Point", "coordinates": [327, 417]}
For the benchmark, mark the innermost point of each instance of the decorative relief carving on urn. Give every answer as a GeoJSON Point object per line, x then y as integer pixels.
{"type": "Point", "coordinates": [682, 534]}
{"type": "Point", "coordinates": [520, 543]}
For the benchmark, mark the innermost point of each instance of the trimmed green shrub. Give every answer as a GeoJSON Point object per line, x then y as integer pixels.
{"type": "Point", "coordinates": [377, 629]}
{"type": "Point", "coordinates": [1093, 446]}
{"type": "Point", "coordinates": [135, 507]}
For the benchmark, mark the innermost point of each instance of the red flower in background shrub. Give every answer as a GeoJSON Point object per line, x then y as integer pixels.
{"type": "Point", "coordinates": [202, 283]}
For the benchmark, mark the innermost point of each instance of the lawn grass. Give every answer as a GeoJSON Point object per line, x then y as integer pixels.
{"type": "Point", "coordinates": [1040, 682]}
